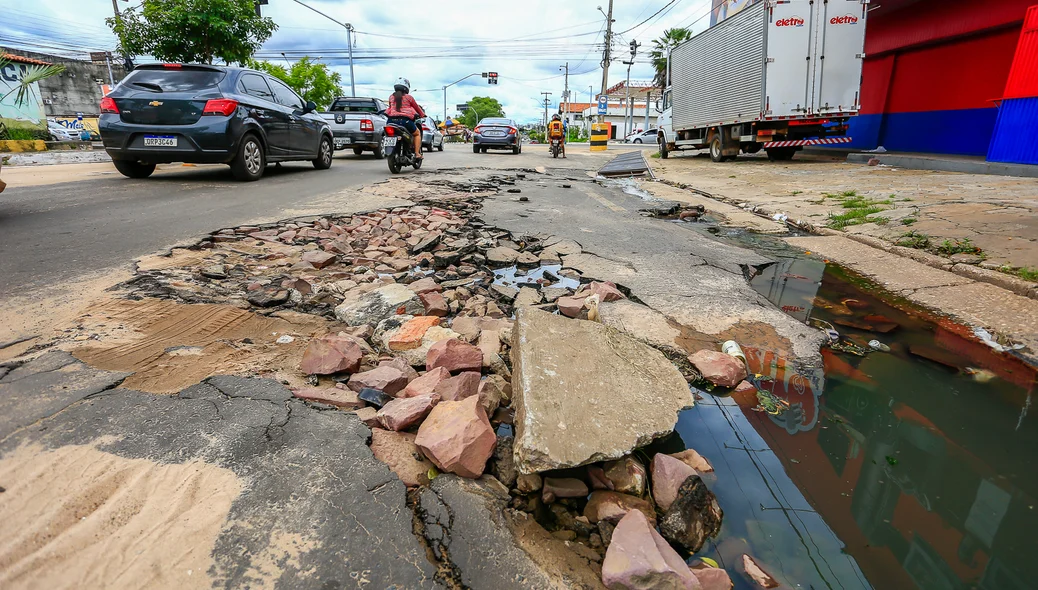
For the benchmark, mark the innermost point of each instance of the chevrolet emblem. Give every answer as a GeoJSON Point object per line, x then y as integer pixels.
{"type": "Point", "coordinates": [155, 103]}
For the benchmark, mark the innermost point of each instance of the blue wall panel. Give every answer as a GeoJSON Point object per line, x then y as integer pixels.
{"type": "Point", "coordinates": [1015, 139]}
{"type": "Point", "coordinates": [965, 132]}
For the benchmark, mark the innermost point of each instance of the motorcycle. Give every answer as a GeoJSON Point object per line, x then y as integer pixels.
{"type": "Point", "coordinates": [556, 147]}
{"type": "Point", "coordinates": [399, 147]}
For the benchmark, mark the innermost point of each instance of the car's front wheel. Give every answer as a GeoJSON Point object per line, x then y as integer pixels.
{"type": "Point", "coordinates": [133, 168]}
{"type": "Point", "coordinates": [324, 154]}
{"type": "Point", "coordinates": [637, 141]}
{"type": "Point", "coordinates": [248, 165]}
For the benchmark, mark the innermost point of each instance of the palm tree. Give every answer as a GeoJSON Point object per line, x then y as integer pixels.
{"type": "Point", "coordinates": [671, 38]}
{"type": "Point", "coordinates": [30, 75]}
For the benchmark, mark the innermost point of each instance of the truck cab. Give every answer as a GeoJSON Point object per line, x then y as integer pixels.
{"type": "Point", "coordinates": [664, 124]}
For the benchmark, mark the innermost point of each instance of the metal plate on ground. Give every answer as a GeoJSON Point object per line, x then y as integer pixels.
{"type": "Point", "coordinates": [626, 164]}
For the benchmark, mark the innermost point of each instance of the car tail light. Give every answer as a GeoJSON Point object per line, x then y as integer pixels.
{"type": "Point", "coordinates": [172, 66]}
{"type": "Point", "coordinates": [391, 132]}
{"type": "Point", "coordinates": [478, 129]}
{"type": "Point", "coordinates": [108, 106]}
{"type": "Point", "coordinates": [366, 125]}
{"type": "Point", "coordinates": [220, 106]}
{"type": "Point", "coordinates": [512, 131]}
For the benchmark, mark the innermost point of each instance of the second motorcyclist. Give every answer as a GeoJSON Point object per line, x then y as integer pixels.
{"type": "Point", "coordinates": [557, 131]}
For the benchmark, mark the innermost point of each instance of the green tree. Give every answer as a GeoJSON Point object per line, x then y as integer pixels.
{"type": "Point", "coordinates": [671, 38]}
{"type": "Point", "coordinates": [481, 107]}
{"type": "Point", "coordinates": [311, 79]}
{"type": "Point", "coordinates": [192, 31]}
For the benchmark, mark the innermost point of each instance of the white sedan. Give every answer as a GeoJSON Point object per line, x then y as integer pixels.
{"type": "Point", "coordinates": [642, 137]}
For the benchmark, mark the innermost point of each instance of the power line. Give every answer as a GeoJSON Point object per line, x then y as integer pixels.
{"type": "Point", "coordinates": [650, 17]}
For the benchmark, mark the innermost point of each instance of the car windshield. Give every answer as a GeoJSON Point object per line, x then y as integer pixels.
{"type": "Point", "coordinates": [353, 106]}
{"type": "Point", "coordinates": [173, 80]}
{"type": "Point", "coordinates": [496, 122]}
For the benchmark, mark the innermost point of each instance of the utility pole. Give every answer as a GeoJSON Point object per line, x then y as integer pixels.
{"type": "Point", "coordinates": [628, 127]}
{"type": "Point", "coordinates": [349, 41]}
{"type": "Point", "coordinates": [565, 92]}
{"type": "Point", "coordinates": [115, 7]}
{"type": "Point", "coordinates": [546, 103]}
{"type": "Point", "coordinates": [607, 51]}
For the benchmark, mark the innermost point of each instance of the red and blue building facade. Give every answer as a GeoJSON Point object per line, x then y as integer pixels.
{"type": "Point", "coordinates": [933, 72]}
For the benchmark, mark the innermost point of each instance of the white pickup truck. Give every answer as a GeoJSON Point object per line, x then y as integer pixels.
{"type": "Point", "coordinates": [356, 124]}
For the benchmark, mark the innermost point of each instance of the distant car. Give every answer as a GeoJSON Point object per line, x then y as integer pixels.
{"type": "Point", "coordinates": [59, 132]}
{"type": "Point", "coordinates": [431, 136]}
{"type": "Point", "coordinates": [199, 114]}
{"type": "Point", "coordinates": [648, 136]}
{"type": "Point", "coordinates": [496, 134]}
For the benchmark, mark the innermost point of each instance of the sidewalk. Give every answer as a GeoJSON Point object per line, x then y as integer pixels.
{"type": "Point", "coordinates": [990, 221]}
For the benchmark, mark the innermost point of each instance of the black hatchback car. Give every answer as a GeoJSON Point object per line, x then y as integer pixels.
{"type": "Point", "coordinates": [202, 114]}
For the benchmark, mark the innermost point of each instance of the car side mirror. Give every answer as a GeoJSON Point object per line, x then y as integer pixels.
{"type": "Point", "coordinates": [310, 107]}
{"type": "Point", "coordinates": [658, 110]}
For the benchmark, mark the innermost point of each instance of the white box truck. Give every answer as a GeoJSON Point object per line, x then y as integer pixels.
{"type": "Point", "coordinates": [778, 76]}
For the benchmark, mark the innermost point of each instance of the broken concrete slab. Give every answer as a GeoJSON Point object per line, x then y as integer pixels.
{"type": "Point", "coordinates": [480, 544]}
{"type": "Point", "coordinates": [371, 307]}
{"type": "Point", "coordinates": [584, 392]}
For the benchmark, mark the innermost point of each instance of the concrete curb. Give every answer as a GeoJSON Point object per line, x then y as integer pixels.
{"type": "Point", "coordinates": [914, 162]}
{"type": "Point", "coordinates": [974, 273]}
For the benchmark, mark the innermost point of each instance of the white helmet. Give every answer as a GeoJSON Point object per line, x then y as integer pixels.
{"type": "Point", "coordinates": [402, 84]}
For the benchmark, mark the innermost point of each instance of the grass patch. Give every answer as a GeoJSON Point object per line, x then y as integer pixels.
{"type": "Point", "coordinates": [655, 155]}
{"type": "Point", "coordinates": [853, 217]}
{"type": "Point", "coordinates": [795, 193]}
{"type": "Point", "coordinates": [908, 221]}
{"type": "Point", "coordinates": [858, 208]}
{"type": "Point", "coordinates": [912, 239]}
{"type": "Point", "coordinates": [1027, 273]}
{"type": "Point", "coordinates": [19, 134]}
{"type": "Point", "coordinates": [958, 246]}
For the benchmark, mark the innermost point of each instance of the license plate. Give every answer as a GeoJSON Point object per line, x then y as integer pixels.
{"type": "Point", "coordinates": [389, 142]}
{"type": "Point", "coordinates": [341, 141]}
{"type": "Point", "coordinates": [495, 133]}
{"type": "Point", "coordinates": [160, 141]}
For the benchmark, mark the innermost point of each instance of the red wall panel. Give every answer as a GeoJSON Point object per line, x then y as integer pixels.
{"type": "Point", "coordinates": [876, 75]}
{"type": "Point", "coordinates": [1023, 78]}
{"type": "Point", "coordinates": [965, 74]}
{"type": "Point", "coordinates": [932, 20]}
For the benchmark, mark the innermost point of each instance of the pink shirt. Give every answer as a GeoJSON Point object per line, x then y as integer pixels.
{"type": "Point", "coordinates": [408, 108]}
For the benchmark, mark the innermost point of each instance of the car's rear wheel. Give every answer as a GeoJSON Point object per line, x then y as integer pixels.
{"type": "Point", "coordinates": [515, 149]}
{"type": "Point", "coordinates": [133, 168]}
{"type": "Point", "coordinates": [250, 161]}
{"type": "Point", "coordinates": [475, 149]}
{"type": "Point", "coordinates": [324, 154]}
{"type": "Point", "coordinates": [440, 148]}
{"type": "Point", "coordinates": [380, 151]}
{"type": "Point", "coordinates": [358, 151]}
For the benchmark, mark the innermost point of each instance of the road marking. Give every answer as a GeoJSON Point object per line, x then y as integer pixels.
{"type": "Point", "coordinates": [591, 193]}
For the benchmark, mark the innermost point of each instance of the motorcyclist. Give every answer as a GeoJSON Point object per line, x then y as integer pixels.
{"type": "Point", "coordinates": [556, 130]}
{"type": "Point", "coordinates": [404, 110]}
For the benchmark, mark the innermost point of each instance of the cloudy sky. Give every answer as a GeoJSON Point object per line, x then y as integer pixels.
{"type": "Point", "coordinates": [431, 43]}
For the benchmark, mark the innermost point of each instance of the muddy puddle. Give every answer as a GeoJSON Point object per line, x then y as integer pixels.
{"type": "Point", "coordinates": [911, 468]}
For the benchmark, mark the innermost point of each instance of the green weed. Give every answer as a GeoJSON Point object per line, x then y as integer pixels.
{"type": "Point", "coordinates": [958, 246]}
{"type": "Point", "coordinates": [912, 239]}
{"type": "Point", "coordinates": [908, 221]}
{"type": "Point", "coordinates": [856, 216]}
{"type": "Point", "coordinates": [795, 193]}
{"type": "Point", "coordinates": [1027, 273]}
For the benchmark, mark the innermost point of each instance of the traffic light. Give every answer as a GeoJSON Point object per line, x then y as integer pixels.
{"type": "Point", "coordinates": [492, 78]}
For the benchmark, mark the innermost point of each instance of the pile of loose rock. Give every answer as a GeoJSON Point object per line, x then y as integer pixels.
{"type": "Point", "coordinates": [421, 353]}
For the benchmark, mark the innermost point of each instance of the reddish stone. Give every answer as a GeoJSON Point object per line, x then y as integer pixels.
{"type": "Point", "coordinates": [562, 487]}
{"type": "Point", "coordinates": [457, 437]}
{"type": "Point", "coordinates": [598, 479]}
{"type": "Point", "coordinates": [712, 578]}
{"type": "Point", "coordinates": [571, 307]}
{"type": "Point", "coordinates": [388, 380]}
{"type": "Point", "coordinates": [719, 368]}
{"type": "Point", "coordinates": [426, 285]}
{"type": "Point", "coordinates": [318, 258]}
{"type": "Point", "coordinates": [435, 304]}
{"type": "Point", "coordinates": [398, 451]}
{"type": "Point", "coordinates": [639, 558]}
{"type": "Point", "coordinates": [332, 396]}
{"type": "Point", "coordinates": [606, 292]}
{"type": "Point", "coordinates": [627, 475]}
{"type": "Point", "coordinates": [425, 384]}
{"type": "Point", "coordinates": [745, 387]}
{"type": "Point", "coordinates": [612, 506]}
{"type": "Point", "coordinates": [331, 354]}
{"type": "Point", "coordinates": [368, 415]}
{"type": "Point", "coordinates": [457, 388]}
{"type": "Point", "coordinates": [694, 460]}
{"type": "Point", "coordinates": [668, 474]}
{"type": "Point", "coordinates": [756, 572]}
{"type": "Point", "coordinates": [454, 355]}
{"type": "Point", "coordinates": [409, 336]}
{"type": "Point", "coordinates": [403, 413]}
{"type": "Point", "coordinates": [400, 363]}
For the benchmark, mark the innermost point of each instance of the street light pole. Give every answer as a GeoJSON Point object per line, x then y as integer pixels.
{"type": "Point", "coordinates": [349, 40]}
{"type": "Point", "coordinates": [546, 103]}
{"type": "Point", "coordinates": [445, 95]}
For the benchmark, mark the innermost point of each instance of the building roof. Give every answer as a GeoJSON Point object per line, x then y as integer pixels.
{"type": "Point", "coordinates": [24, 60]}
{"type": "Point", "coordinates": [639, 89]}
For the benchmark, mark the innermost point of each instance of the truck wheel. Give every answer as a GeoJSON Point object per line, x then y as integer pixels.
{"type": "Point", "coordinates": [358, 151]}
{"type": "Point", "coordinates": [133, 168]}
{"type": "Point", "coordinates": [663, 147]}
{"type": "Point", "coordinates": [781, 154]}
{"type": "Point", "coordinates": [716, 154]}
{"type": "Point", "coordinates": [380, 152]}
